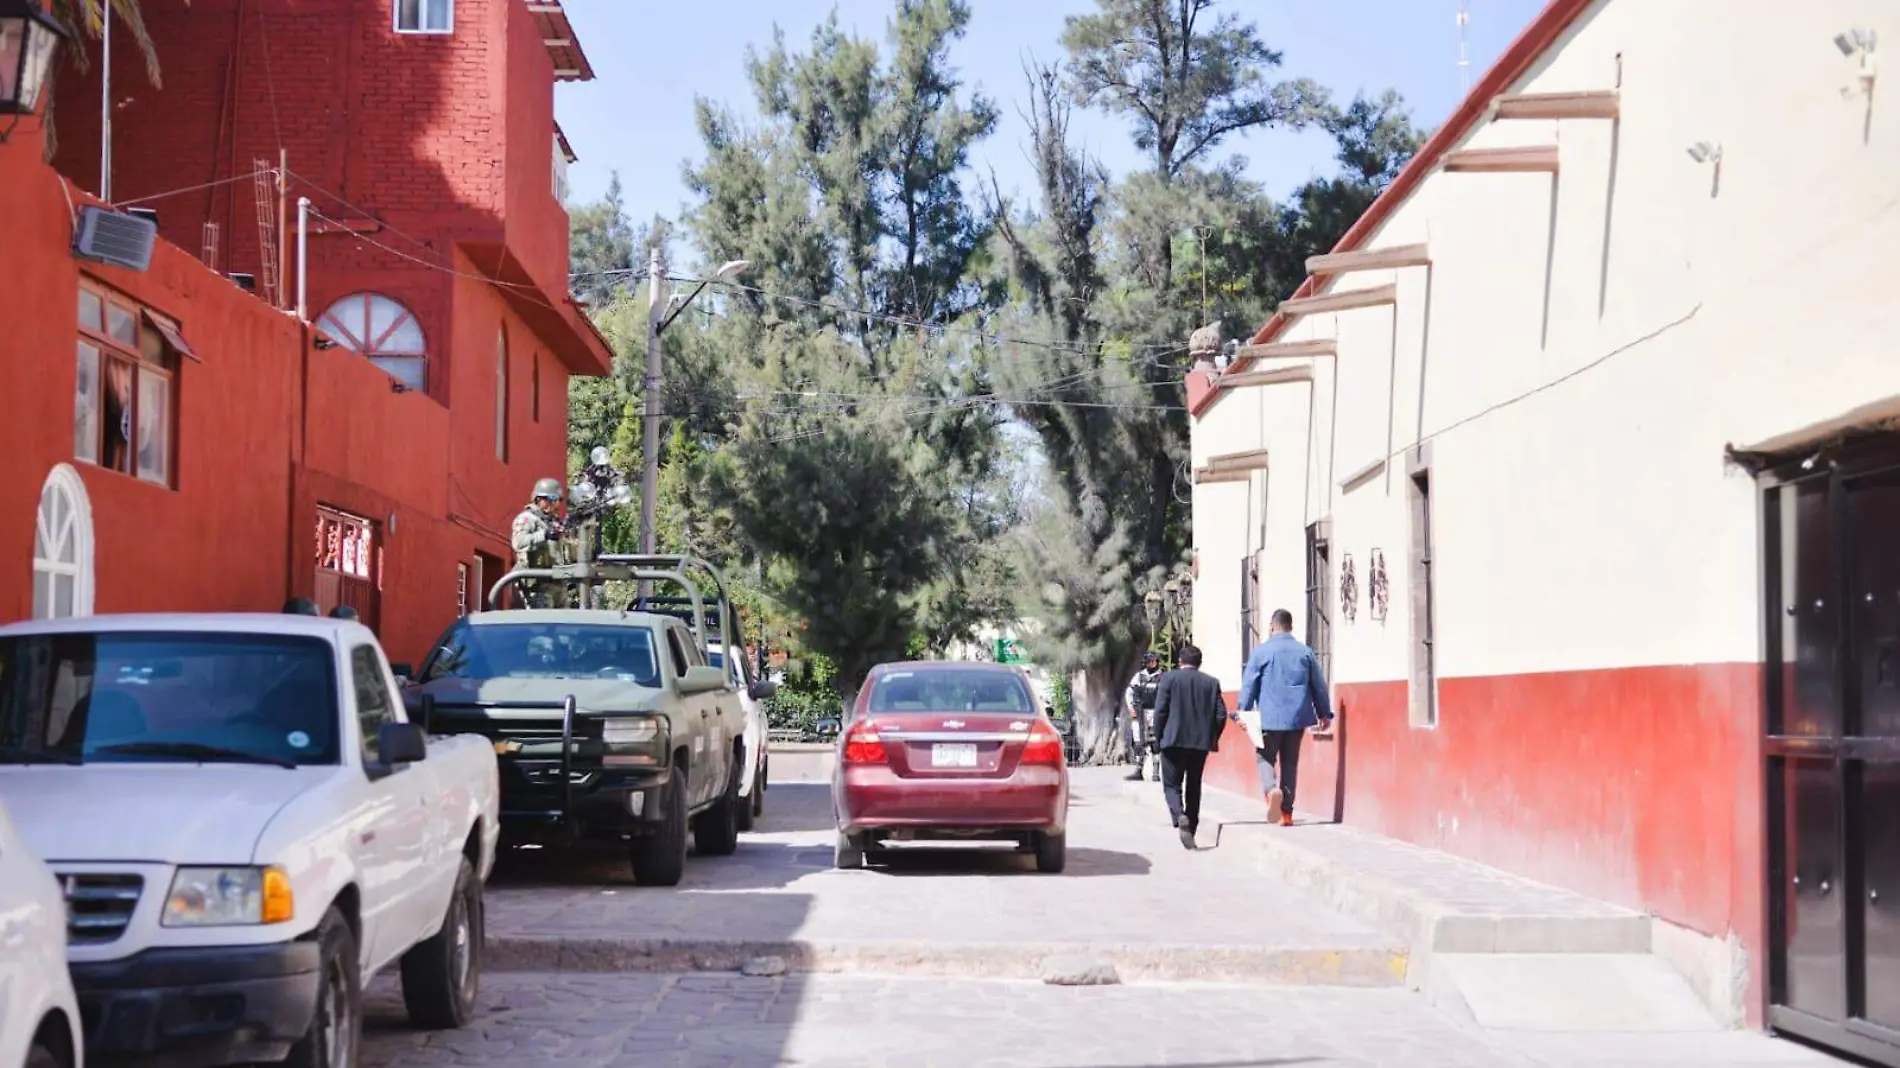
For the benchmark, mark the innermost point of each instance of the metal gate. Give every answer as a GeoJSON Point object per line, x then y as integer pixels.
{"type": "Point", "coordinates": [1832, 584]}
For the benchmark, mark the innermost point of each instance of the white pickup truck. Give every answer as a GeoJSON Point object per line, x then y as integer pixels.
{"type": "Point", "coordinates": [246, 829]}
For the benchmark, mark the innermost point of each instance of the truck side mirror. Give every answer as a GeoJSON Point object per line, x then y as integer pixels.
{"type": "Point", "coordinates": [763, 689]}
{"type": "Point", "coordinates": [401, 743]}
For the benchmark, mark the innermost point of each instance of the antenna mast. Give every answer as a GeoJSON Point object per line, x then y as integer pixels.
{"type": "Point", "coordinates": [1464, 40]}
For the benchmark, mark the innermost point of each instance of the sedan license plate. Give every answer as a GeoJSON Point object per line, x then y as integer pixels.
{"type": "Point", "coordinates": [953, 756]}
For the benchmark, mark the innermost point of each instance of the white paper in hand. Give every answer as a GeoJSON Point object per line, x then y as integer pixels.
{"type": "Point", "coordinates": [1250, 720]}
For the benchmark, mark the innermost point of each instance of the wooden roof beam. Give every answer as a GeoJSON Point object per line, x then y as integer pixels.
{"type": "Point", "coordinates": [1369, 259]}
{"type": "Point", "coordinates": [1348, 300]}
{"type": "Point", "coordinates": [1206, 476]}
{"type": "Point", "coordinates": [1288, 350]}
{"type": "Point", "coordinates": [1251, 460]}
{"type": "Point", "coordinates": [1243, 379]}
{"type": "Point", "coordinates": [1588, 104]}
{"type": "Point", "coordinates": [1529, 159]}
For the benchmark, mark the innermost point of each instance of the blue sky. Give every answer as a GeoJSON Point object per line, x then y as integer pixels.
{"type": "Point", "coordinates": [651, 59]}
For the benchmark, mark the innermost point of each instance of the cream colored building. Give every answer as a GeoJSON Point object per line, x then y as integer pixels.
{"type": "Point", "coordinates": [1542, 415]}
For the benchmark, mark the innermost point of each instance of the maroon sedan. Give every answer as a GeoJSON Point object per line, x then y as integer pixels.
{"type": "Point", "coordinates": [941, 751]}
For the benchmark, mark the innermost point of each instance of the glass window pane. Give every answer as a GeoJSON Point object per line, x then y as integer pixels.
{"type": "Point", "coordinates": [92, 312]}
{"type": "Point", "coordinates": [121, 324]}
{"type": "Point", "coordinates": [439, 14]}
{"type": "Point", "coordinates": [42, 594]}
{"type": "Point", "coordinates": [334, 326]}
{"type": "Point", "coordinates": [383, 314]}
{"type": "Point", "coordinates": [86, 406]}
{"type": "Point", "coordinates": [118, 416]}
{"type": "Point", "coordinates": [408, 14]}
{"type": "Point", "coordinates": [409, 370]}
{"type": "Point", "coordinates": [407, 337]}
{"type": "Point", "coordinates": [63, 586]}
{"type": "Point", "coordinates": [154, 427]}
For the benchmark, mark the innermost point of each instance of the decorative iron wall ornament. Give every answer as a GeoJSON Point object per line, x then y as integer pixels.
{"type": "Point", "coordinates": [1379, 589]}
{"type": "Point", "coordinates": [1348, 589]}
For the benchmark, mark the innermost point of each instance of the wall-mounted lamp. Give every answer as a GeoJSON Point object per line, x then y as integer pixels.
{"type": "Point", "coordinates": [1705, 152]}
{"type": "Point", "coordinates": [1859, 42]}
{"type": "Point", "coordinates": [1856, 42]}
{"type": "Point", "coordinates": [28, 39]}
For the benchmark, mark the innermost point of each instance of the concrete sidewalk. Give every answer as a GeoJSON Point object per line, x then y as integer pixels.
{"type": "Point", "coordinates": [1501, 951]}
{"type": "Point", "coordinates": [942, 912]}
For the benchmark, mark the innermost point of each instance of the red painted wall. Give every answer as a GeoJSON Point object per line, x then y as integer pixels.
{"type": "Point", "coordinates": [269, 426]}
{"type": "Point", "coordinates": [1639, 786]}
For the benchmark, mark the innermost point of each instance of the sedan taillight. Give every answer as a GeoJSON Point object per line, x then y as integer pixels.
{"type": "Point", "coordinates": [1044, 745]}
{"type": "Point", "coordinates": [861, 744]}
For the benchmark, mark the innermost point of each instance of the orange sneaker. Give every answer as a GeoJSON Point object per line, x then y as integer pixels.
{"type": "Point", "coordinates": [1275, 814]}
{"type": "Point", "coordinates": [1286, 819]}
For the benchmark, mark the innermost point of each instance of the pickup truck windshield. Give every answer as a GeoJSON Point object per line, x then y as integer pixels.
{"type": "Point", "coordinates": [546, 651]}
{"type": "Point", "coordinates": [134, 697]}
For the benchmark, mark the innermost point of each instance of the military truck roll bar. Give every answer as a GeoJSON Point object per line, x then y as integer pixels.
{"type": "Point", "coordinates": [626, 567]}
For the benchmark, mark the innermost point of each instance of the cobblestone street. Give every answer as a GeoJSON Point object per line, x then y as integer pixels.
{"type": "Point", "coordinates": [925, 964]}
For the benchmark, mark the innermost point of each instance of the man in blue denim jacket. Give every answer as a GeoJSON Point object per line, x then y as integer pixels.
{"type": "Point", "coordinates": [1284, 681]}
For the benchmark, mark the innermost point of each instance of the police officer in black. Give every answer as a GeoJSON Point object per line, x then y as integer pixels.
{"type": "Point", "coordinates": [1141, 714]}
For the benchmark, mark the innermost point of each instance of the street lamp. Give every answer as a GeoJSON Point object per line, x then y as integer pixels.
{"type": "Point", "coordinates": [28, 39]}
{"type": "Point", "coordinates": [650, 436]}
{"type": "Point", "coordinates": [1151, 603]}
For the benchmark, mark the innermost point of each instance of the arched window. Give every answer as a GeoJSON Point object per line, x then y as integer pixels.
{"type": "Point", "coordinates": [62, 547]}
{"type": "Point", "coordinates": [375, 326]}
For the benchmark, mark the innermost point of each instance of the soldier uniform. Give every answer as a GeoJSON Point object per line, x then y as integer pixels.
{"type": "Point", "coordinates": [535, 532]}
{"type": "Point", "coordinates": [1141, 711]}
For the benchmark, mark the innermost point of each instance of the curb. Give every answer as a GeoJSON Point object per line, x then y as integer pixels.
{"type": "Point", "coordinates": [1373, 967]}
{"type": "Point", "coordinates": [1430, 926]}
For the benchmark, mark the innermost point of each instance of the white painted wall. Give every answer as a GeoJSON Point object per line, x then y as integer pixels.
{"type": "Point", "coordinates": [1581, 350]}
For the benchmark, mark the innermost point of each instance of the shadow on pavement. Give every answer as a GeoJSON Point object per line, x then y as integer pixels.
{"type": "Point", "coordinates": [666, 1016]}
{"type": "Point", "coordinates": [923, 860]}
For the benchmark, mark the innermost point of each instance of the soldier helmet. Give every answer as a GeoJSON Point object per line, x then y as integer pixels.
{"type": "Point", "coordinates": [548, 489]}
{"type": "Point", "coordinates": [343, 611]}
{"type": "Point", "coordinates": [1151, 658]}
{"type": "Point", "coordinates": [300, 606]}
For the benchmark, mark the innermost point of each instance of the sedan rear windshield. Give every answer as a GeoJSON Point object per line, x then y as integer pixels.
{"type": "Point", "coordinates": [135, 697]}
{"type": "Point", "coordinates": [546, 651]}
{"type": "Point", "coordinates": [951, 690]}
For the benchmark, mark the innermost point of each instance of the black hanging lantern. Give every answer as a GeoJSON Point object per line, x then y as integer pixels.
{"type": "Point", "coordinates": [29, 37]}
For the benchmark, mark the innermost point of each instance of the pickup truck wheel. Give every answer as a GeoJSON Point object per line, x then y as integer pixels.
{"type": "Point", "coordinates": [748, 805]}
{"type": "Point", "coordinates": [660, 858]}
{"type": "Point", "coordinates": [716, 832]}
{"type": "Point", "coordinates": [41, 1055]}
{"type": "Point", "coordinates": [338, 1022]}
{"type": "Point", "coordinates": [441, 976]}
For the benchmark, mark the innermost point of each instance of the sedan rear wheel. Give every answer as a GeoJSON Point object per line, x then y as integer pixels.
{"type": "Point", "coordinates": [848, 854]}
{"type": "Point", "coordinates": [1052, 853]}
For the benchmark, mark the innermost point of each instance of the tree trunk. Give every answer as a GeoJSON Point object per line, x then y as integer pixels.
{"type": "Point", "coordinates": [1097, 709]}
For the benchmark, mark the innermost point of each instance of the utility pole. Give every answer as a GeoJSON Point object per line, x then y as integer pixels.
{"type": "Point", "coordinates": [105, 103]}
{"type": "Point", "coordinates": [650, 426]}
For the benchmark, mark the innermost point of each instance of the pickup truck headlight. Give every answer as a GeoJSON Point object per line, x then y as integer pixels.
{"type": "Point", "coordinates": [228, 897]}
{"type": "Point", "coordinates": [632, 741]}
{"type": "Point", "coordinates": [637, 730]}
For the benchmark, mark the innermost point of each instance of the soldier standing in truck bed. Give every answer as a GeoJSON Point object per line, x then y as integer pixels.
{"type": "Point", "coordinates": [535, 531]}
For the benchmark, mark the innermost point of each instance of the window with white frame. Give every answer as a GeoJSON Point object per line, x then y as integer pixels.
{"type": "Point", "coordinates": [372, 325]}
{"type": "Point", "coordinates": [560, 171]}
{"type": "Point", "coordinates": [62, 547]}
{"type": "Point", "coordinates": [125, 398]}
{"type": "Point", "coordinates": [425, 16]}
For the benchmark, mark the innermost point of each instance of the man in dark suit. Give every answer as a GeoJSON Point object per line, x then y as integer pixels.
{"type": "Point", "coordinates": [1190, 714]}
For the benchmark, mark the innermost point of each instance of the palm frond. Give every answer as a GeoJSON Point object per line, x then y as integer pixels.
{"type": "Point", "coordinates": [88, 17]}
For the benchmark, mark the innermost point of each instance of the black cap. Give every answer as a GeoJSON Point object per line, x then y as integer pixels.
{"type": "Point", "coordinates": [300, 606]}
{"type": "Point", "coordinates": [343, 611]}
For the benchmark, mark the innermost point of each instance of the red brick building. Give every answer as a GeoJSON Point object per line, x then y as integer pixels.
{"type": "Point", "coordinates": [206, 449]}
